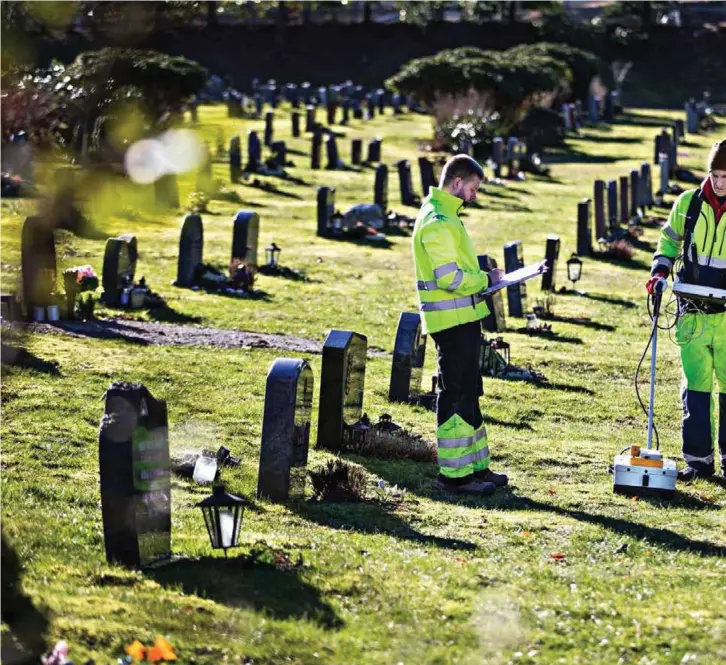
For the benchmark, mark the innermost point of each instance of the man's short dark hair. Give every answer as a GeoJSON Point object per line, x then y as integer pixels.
{"type": "Point", "coordinates": [460, 166]}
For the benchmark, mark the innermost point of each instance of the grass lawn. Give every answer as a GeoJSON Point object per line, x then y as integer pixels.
{"type": "Point", "coordinates": [435, 579]}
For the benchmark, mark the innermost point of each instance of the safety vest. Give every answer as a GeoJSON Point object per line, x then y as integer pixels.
{"type": "Point", "coordinates": [448, 277]}
{"type": "Point", "coordinates": [694, 230]}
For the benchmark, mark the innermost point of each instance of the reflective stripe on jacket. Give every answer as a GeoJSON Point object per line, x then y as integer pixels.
{"type": "Point", "coordinates": [448, 276]}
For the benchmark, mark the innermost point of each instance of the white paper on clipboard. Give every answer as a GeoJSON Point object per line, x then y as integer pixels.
{"type": "Point", "coordinates": [517, 276]}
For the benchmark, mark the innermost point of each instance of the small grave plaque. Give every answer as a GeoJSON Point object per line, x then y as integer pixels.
{"type": "Point", "coordinates": [245, 234]}
{"type": "Point", "coordinates": [191, 248]}
{"type": "Point", "coordinates": [326, 208]}
{"type": "Point", "coordinates": [584, 228]}
{"type": "Point", "coordinates": [428, 179]}
{"type": "Point", "coordinates": [516, 294]}
{"type": "Point", "coordinates": [494, 321]}
{"type": "Point", "coordinates": [380, 187]}
{"type": "Point", "coordinates": [552, 254]}
{"type": "Point", "coordinates": [133, 455]}
{"type": "Point", "coordinates": [408, 198]}
{"type": "Point", "coordinates": [599, 201]}
{"type": "Point", "coordinates": [285, 430]}
{"type": "Point", "coordinates": [341, 386]}
{"type": "Point", "coordinates": [409, 353]}
{"type": "Point", "coordinates": [356, 151]}
{"type": "Point", "coordinates": [38, 262]}
{"type": "Point", "coordinates": [235, 159]}
{"type": "Point", "coordinates": [119, 267]}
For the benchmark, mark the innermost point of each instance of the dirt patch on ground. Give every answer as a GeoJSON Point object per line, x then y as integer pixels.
{"type": "Point", "coordinates": [169, 334]}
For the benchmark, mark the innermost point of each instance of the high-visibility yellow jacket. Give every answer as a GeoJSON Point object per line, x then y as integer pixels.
{"type": "Point", "coordinates": [448, 276]}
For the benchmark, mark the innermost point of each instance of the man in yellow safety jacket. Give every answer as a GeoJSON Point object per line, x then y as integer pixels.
{"type": "Point", "coordinates": [696, 230]}
{"type": "Point", "coordinates": [448, 280]}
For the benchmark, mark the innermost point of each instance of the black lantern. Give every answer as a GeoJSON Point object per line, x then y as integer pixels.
{"type": "Point", "coordinates": [272, 254]}
{"type": "Point", "coordinates": [574, 269]}
{"type": "Point", "coordinates": [223, 517]}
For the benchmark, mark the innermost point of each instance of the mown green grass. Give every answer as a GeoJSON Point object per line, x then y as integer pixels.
{"type": "Point", "coordinates": [435, 580]}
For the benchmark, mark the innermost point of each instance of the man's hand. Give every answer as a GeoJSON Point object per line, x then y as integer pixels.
{"type": "Point", "coordinates": [656, 284]}
{"type": "Point", "coordinates": [495, 276]}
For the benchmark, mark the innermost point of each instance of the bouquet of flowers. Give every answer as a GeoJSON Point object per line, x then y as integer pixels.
{"type": "Point", "coordinates": [80, 279]}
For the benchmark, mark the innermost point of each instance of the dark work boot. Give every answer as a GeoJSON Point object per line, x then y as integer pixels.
{"type": "Point", "coordinates": [488, 476]}
{"type": "Point", "coordinates": [689, 474]}
{"type": "Point", "coordinates": [472, 487]}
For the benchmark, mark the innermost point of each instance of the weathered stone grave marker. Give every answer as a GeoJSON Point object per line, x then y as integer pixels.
{"type": "Point", "coordinates": [624, 210]}
{"type": "Point", "coordinates": [331, 149]}
{"type": "Point", "coordinates": [285, 430]}
{"type": "Point", "coordinates": [316, 147]}
{"type": "Point", "coordinates": [326, 208]}
{"type": "Point", "coordinates": [254, 152]}
{"type": "Point", "coordinates": [599, 201]}
{"type": "Point", "coordinates": [517, 293]}
{"type": "Point", "coordinates": [341, 386]}
{"type": "Point", "coordinates": [191, 248]}
{"type": "Point", "coordinates": [613, 204]}
{"type": "Point", "coordinates": [295, 120]}
{"type": "Point", "coordinates": [119, 267]}
{"type": "Point", "coordinates": [584, 228]}
{"type": "Point", "coordinates": [235, 159]}
{"type": "Point", "coordinates": [356, 151]}
{"type": "Point", "coordinates": [374, 150]}
{"type": "Point", "coordinates": [495, 321]}
{"type": "Point", "coordinates": [408, 198]}
{"type": "Point", "coordinates": [552, 254]}
{"type": "Point", "coordinates": [133, 455]}
{"type": "Point", "coordinates": [245, 236]}
{"type": "Point", "coordinates": [310, 118]}
{"type": "Point", "coordinates": [646, 185]}
{"type": "Point", "coordinates": [38, 263]}
{"type": "Point", "coordinates": [428, 180]}
{"type": "Point", "coordinates": [269, 128]}
{"type": "Point", "coordinates": [634, 193]}
{"type": "Point", "coordinates": [380, 187]}
{"type": "Point", "coordinates": [409, 353]}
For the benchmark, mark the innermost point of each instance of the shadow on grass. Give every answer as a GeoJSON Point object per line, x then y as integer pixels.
{"type": "Point", "coordinates": [549, 335]}
{"type": "Point", "coordinates": [371, 516]}
{"type": "Point", "coordinates": [564, 387]}
{"type": "Point", "coordinates": [627, 264]}
{"type": "Point", "coordinates": [245, 581]}
{"type": "Point", "coordinates": [97, 329]}
{"type": "Point", "coordinates": [620, 302]}
{"type": "Point", "coordinates": [507, 207]}
{"type": "Point", "coordinates": [17, 356]}
{"type": "Point", "coordinates": [489, 420]}
{"type": "Point", "coordinates": [643, 120]}
{"type": "Point", "coordinates": [578, 321]}
{"type": "Point", "coordinates": [577, 157]}
{"type": "Point", "coordinates": [644, 245]}
{"type": "Point", "coordinates": [275, 191]}
{"type": "Point", "coordinates": [624, 140]}
{"type": "Point", "coordinates": [165, 314]}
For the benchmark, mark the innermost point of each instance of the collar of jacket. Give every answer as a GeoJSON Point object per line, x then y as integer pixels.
{"type": "Point", "coordinates": [446, 203]}
{"type": "Point", "coordinates": [710, 196]}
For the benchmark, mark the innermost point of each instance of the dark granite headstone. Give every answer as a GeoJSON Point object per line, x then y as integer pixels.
{"type": "Point", "coordinates": [374, 150]}
{"type": "Point", "coordinates": [428, 180]}
{"type": "Point", "coordinates": [624, 210]}
{"type": "Point", "coordinates": [599, 201]}
{"type": "Point", "coordinates": [133, 456]}
{"type": "Point", "coordinates": [380, 187]}
{"type": "Point", "coordinates": [166, 191]}
{"type": "Point", "coordinates": [326, 208]}
{"type": "Point", "coordinates": [38, 262]}
{"type": "Point", "coordinates": [552, 254]}
{"type": "Point", "coordinates": [269, 128]}
{"type": "Point", "coordinates": [332, 109]}
{"type": "Point", "coordinates": [516, 294]}
{"type": "Point", "coordinates": [409, 353]}
{"type": "Point", "coordinates": [295, 120]}
{"type": "Point", "coordinates": [680, 128]}
{"type": "Point", "coordinates": [584, 228]}
{"type": "Point", "coordinates": [609, 107]}
{"type": "Point", "coordinates": [634, 193]}
{"type": "Point", "coordinates": [119, 267]}
{"type": "Point", "coordinates": [341, 386]}
{"type": "Point", "coordinates": [408, 198]}
{"type": "Point", "coordinates": [245, 235]}
{"type": "Point", "coordinates": [316, 147]}
{"type": "Point", "coordinates": [285, 430]}
{"type": "Point", "coordinates": [309, 118]}
{"type": "Point", "coordinates": [235, 159]}
{"type": "Point", "coordinates": [613, 204]}
{"type": "Point", "coordinates": [593, 107]}
{"type": "Point", "coordinates": [357, 110]}
{"type": "Point", "coordinates": [498, 155]}
{"type": "Point", "coordinates": [191, 249]}
{"type": "Point", "coordinates": [254, 152]}
{"type": "Point", "coordinates": [646, 185]}
{"type": "Point", "coordinates": [331, 149]}
{"type": "Point", "coordinates": [356, 151]}
{"type": "Point", "coordinates": [346, 113]}
{"type": "Point", "coordinates": [495, 321]}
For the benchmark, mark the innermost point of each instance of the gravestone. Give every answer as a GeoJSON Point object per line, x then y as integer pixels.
{"type": "Point", "coordinates": [578, 114]}
{"type": "Point", "coordinates": [341, 386]}
{"type": "Point", "coordinates": [285, 430]}
{"type": "Point", "coordinates": [356, 150]}
{"type": "Point", "coordinates": [408, 198]}
{"type": "Point", "coordinates": [380, 187]}
{"type": "Point", "coordinates": [370, 107]}
{"type": "Point", "coordinates": [357, 110]}
{"type": "Point", "coordinates": [584, 228]}
{"type": "Point", "coordinates": [624, 210]}
{"type": "Point", "coordinates": [609, 107]}
{"type": "Point", "coordinates": [295, 120]}
{"type": "Point", "coordinates": [235, 160]}
{"type": "Point", "coordinates": [512, 157]}
{"type": "Point", "coordinates": [396, 103]}
{"type": "Point", "coordinates": [38, 263]}
{"type": "Point", "coordinates": [326, 208]}
{"type": "Point", "coordinates": [680, 128]}
{"type": "Point", "coordinates": [309, 118]}
{"type": "Point", "coordinates": [381, 100]}
{"type": "Point", "coordinates": [409, 353]}
{"type": "Point", "coordinates": [306, 92]}
{"type": "Point", "coordinates": [322, 96]}
{"type": "Point", "coordinates": [428, 180]}
{"type": "Point", "coordinates": [254, 152]}
{"type": "Point", "coordinates": [634, 193]}
{"type": "Point", "coordinates": [279, 153]}
{"type": "Point", "coordinates": [693, 120]}
{"type": "Point", "coordinates": [613, 204]}
{"type": "Point", "coordinates": [599, 202]}
{"type": "Point", "coordinates": [498, 155]}
{"type": "Point", "coordinates": [566, 118]}
{"type": "Point", "coordinates": [269, 129]}
{"type": "Point", "coordinates": [331, 149]}
{"type": "Point", "coordinates": [316, 147]}
{"type": "Point", "coordinates": [594, 108]}
{"type": "Point", "coordinates": [259, 101]}
{"type": "Point", "coordinates": [517, 293]}
{"type": "Point", "coordinates": [245, 236]}
{"type": "Point", "coordinates": [552, 254]}
{"type": "Point", "coordinates": [346, 113]}
{"type": "Point", "coordinates": [374, 150]}
{"type": "Point", "coordinates": [166, 191]}
{"type": "Point", "coordinates": [494, 321]}
{"type": "Point", "coordinates": [332, 110]}
{"type": "Point", "coordinates": [191, 248]}
{"type": "Point", "coordinates": [664, 172]}
{"type": "Point", "coordinates": [133, 459]}
{"type": "Point", "coordinates": [119, 267]}
{"type": "Point", "coordinates": [646, 184]}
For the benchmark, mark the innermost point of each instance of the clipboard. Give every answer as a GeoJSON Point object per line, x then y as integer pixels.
{"type": "Point", "coordinates": [517, 277]}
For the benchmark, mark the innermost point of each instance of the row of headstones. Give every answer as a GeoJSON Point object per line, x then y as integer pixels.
{"type": "Point", "coordinates": [597, 108]}
{"type": "Point", "coordinates": [665, 146]}
{"type": "Point", "coordinates": [627, 200]}
{"type": "Point", "coordinates": [695, 112]}
{"type": "Point", "coordinates": [510, 155]}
